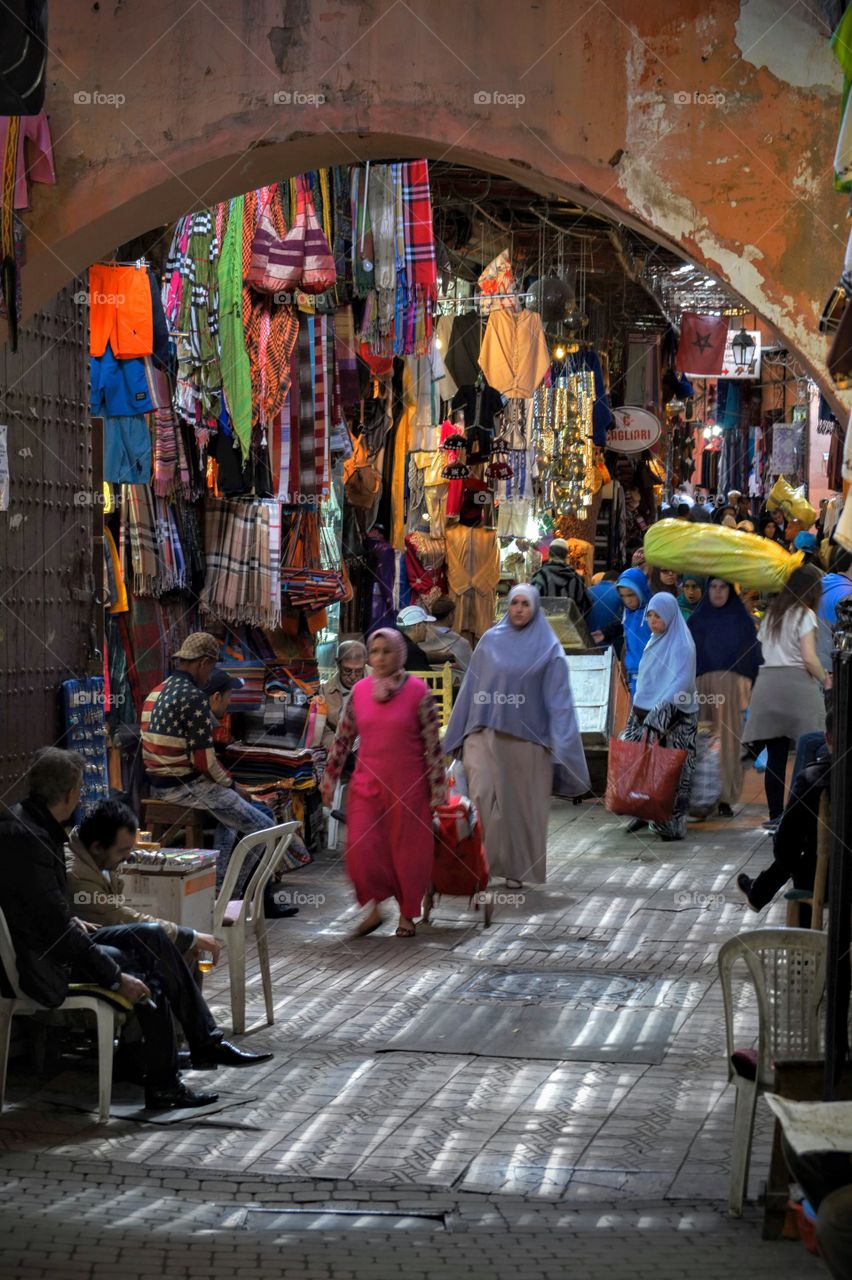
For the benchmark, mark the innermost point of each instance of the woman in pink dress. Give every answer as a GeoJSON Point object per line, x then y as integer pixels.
{"type": "Point", "coordinates": [399, 780]}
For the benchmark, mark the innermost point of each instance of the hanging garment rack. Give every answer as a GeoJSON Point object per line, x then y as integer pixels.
{"type": "Point", "coordinates": [471, 298]}
{"type": "Point", "coordinates": [139, 263]}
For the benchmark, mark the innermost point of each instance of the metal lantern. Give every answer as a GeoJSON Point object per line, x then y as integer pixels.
{"type": "Point", "coordinates": [742, 347]}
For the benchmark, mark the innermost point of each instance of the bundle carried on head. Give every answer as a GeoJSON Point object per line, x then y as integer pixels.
{"type": "Point", "coordinates": [714, 551]}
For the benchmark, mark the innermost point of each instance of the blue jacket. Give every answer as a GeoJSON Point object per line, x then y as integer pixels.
{"type": "Point", "coordinates": [835, 586]}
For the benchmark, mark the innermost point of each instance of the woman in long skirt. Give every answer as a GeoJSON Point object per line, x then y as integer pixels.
{"type": "Point", "coordinates": [665, 707]}
{"type": "Point", "coordinates": [727, 655]}
{"type": "Point", "coordinates": [399, 780]}
{"type": "Point", "coordinates": [513, 721]}
{"type": "Point", "coordinates": [787, 699]}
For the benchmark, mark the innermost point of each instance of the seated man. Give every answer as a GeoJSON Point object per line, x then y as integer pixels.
{"type": "Point", "coordinates": [442, 644]}
{"type": "Point", "coordinates": [412, 623]}
{"type": "Point", "coordinates": [351, 667]}
{"type": "Point", "coordinates": [180, 760]}
{"type": "Point", "coordinates": [103, 840]}
{"type": "Point", "coordinates": [138, 961]}
{"type": "Point", "coordinates": [557, 578]}
{"type": "Point", "coordinates": [796, 837]}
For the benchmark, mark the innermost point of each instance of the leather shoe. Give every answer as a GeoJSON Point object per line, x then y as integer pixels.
{"type": "Point", "coordinates": [636, 824]}
{"type": "Point", "coordinates": [175, 1097]}
{"type": "Point", "coordinates": [745, 885]}
{"type": "Point", "coordinates": [224, 1054]}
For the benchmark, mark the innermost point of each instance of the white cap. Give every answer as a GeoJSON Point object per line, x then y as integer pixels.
{"type": "Point", "coordinates": [412, 615]}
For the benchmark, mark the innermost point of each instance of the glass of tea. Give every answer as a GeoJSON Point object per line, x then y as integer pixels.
{"type": "Point", "coordinates": [205, 962]}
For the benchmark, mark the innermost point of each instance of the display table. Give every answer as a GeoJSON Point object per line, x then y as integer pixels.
{"type": "Point", "coordinates": [177, 885]}
{"type": "Point", "coordinates": [602, 701]}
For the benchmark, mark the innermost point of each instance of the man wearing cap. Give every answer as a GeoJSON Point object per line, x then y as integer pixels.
{"type": "Point", "coordinates": [180, 760]}
{"type": "Point", "coordinates": [557, 578]}
{"type": "Point", "coordinates": [351, 667]}
{"type": "Point", "coordinates": [442, 644]}
{"type": "Point", "coordinates": [412, 623]}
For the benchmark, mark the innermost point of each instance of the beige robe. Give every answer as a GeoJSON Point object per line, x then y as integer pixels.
{"type": "Point", "coordinates": [727, 697]}
{"type": "Point", "coordinates": [510, 781]}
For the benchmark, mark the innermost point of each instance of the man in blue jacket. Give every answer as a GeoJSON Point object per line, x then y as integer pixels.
{"type": "Point", "coordinates": [836, 585]}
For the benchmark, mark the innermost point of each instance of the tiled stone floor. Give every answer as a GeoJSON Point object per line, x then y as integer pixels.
{"type": "Point", "coordinates": [561, 1168]}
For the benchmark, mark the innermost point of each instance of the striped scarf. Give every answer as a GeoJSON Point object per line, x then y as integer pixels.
{"type": "Point", "coordinates": [139, 519]}
{"type": "Point", "coordinates": [238, 584]}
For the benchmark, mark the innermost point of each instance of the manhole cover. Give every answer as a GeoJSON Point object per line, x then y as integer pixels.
{"type": "Point", "coordinates": [333, 1218]}
{"type": "Point", "coordinates": [580, 990]}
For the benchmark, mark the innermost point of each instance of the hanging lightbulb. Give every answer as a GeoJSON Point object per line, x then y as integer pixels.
{"type": "Point", "coordinates": [707, 433]}
{"type": "Point", "coordinates": [560, 351]}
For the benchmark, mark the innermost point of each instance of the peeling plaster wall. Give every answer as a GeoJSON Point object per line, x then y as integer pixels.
{"type": "Point", "coordinates": [714, 127]}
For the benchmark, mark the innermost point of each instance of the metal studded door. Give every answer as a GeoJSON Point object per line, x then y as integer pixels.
{"type": "Point", "coordinates": [47, 535]}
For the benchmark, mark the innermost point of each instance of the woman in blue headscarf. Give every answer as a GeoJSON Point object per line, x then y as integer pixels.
{"type": "Point", "coordinates": [514, 722]}
{"type": "Point", "coordinates": [664, 701]}
{"type": "Point", "coordinates": [635, 593]}
{"type": "Point", "coordinates": [728, 655]}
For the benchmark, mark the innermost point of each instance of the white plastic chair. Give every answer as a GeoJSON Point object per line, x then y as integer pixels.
{"type": "Point", "coordinates": [232, 918]}
{"type": "Point", "coordinates": [333, 823]}
{"type": "Point", "coordinates": [21, 1004]}
{"type": "Point", "coordinates": [786, 968]}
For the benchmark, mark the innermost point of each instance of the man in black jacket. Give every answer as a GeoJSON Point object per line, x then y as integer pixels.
{"type": "Point", "coordinates": [557, 578]}
{"type": "Point", "coordinates": [53, 948]}
{"type": "Point", "coordinates": [796, 838]}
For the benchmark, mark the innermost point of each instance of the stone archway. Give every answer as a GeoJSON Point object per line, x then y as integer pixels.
{"type": "Point", "coordinates": [713, 131]}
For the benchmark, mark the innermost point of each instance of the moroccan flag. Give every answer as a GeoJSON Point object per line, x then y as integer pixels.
{"type": "Point", "coordinates": [701, 349]}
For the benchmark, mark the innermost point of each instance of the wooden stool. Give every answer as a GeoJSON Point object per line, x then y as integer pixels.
{"type": "Point", "coordinates": [166, 822]}
{"type": "Point", "coordinates": [816, 898]}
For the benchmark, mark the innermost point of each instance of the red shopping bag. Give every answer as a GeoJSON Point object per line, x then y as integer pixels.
{"type": "Point", "coordinates": [642, 779]}
{"type": "Point", "coordinates": [460, 868]}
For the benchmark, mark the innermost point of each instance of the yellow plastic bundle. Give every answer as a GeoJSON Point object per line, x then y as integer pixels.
{"type": "Point", "coordinates": [714, 551]}
{"type": "Point", "coordinates": [791, 502]}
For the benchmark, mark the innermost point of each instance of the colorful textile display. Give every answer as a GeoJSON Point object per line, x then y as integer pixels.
{"type": "Point", "coordinates": [238, 582]}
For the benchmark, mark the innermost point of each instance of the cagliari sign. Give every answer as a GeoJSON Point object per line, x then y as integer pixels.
{"type": "Point", "coordinates": [635, 429]}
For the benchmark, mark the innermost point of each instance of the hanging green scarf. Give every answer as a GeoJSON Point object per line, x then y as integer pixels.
{"type": "Point", "coordinates": [236, 370]}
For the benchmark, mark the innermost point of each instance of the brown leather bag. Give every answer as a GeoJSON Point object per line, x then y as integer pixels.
{"type": "Point", "coordinates": [642, 779]}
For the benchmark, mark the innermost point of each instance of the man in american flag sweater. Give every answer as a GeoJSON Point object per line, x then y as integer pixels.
{"type": "Point", "coordinates": [179, 758]}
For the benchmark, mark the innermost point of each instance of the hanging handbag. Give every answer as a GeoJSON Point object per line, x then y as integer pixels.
{"type": "Point", "coordinates": [642, 779]}
{"type": "Point", "coordinates": [318, 270]}
{"type": "Point", "coordinates": [361, 480]}
{"type": "Point", "coordinates": [276, 265]}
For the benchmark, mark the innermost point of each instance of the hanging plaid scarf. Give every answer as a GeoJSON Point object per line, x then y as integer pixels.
{"type": "Point", "coordinates": [139, 519]}
{"type": "Point", "coordinates": [239, 578]}
{"type": "Point", "coordinates": [150, 645]}
{"type": "Point", "coordinates": [343, 323]}
{"type": "Point", "coordinates": [165, 451]}
{"type": "Point", "coordinates": [307, 487]}
{"type": "Point", "coordinates": [381, 205]}
{"type": "Point", "coordinates": [322, 393]}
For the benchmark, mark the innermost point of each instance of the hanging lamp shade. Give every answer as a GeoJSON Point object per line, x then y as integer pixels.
{"type": "Point", "coordinates": [551, 298]}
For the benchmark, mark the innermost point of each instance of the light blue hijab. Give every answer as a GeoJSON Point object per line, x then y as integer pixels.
{"type": "Point", "coordinates": [518, 683]}
{"type": "Point", "coordinates": [667, 668]}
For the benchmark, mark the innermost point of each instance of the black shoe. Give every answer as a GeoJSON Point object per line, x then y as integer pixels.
{"type": "Point", "coordinates": [274, 909]}
{"type": "Point", "coordinates": [771, 825]}
{"type": "Point", "coordinates": [744, 884]}
{"type": "Point", "coordinates": [636, 824]}
{"type": "Point", "coordinates": [725, 810]}
{"type": "Point", "coordinates": [221, 1053]}
{"type": "Point", "coordinates": [175, 1097]}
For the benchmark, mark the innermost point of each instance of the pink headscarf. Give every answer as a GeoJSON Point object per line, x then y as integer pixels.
{"type": "Point", "coordinates": [384, 687]}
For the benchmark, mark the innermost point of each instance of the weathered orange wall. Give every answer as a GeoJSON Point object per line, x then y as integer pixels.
{"type": "Point", "coordinates": [621, 108]}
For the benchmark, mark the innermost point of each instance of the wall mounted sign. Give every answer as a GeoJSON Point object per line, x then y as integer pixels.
{"type": "Point", "coordinates": [635, 429]}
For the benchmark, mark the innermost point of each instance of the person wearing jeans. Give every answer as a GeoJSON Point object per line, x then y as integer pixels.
{"type": "Point", "coordinates": [180, 760]}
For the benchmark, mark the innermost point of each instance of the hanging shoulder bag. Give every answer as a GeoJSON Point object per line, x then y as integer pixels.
{"type": "Point", "coordinates": [318, 269]}
{"type": "Point", "coordinates": [361, 480]}
{"type": "Point", "coordinates": [276, 264]}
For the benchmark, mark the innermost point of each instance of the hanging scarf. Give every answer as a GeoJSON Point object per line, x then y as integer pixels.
{"type": "Point", "coordinates": [725, 638]}
{"type": "Point", "coordinates": [667, 667]}
{"type": "Point", "coordinates": [363, 252]}
{"type": "Point", "coordinates": [382, 208]}
{"type": "Point", "coordinates": [236, 368]}
{"type": "Point", "coordinates": [139, 518]}
{"type": "Point", "coordinates": [384, 687]}
{"type": "Point", "coordinates": [9, 243]}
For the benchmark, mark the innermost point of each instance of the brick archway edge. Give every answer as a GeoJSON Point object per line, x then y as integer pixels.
{"type": "Point", "coordinates": [714, 131]}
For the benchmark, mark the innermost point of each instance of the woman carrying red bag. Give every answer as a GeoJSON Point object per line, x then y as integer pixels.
{"type": "Point", "coordinates": [665, 706]}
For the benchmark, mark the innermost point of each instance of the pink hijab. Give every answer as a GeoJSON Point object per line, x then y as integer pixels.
{"type": "Point", "coordinates": [384, 687]}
